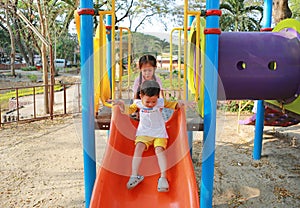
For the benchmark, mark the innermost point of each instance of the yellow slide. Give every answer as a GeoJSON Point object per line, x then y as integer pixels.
{"type": "Point", "coordinates": [101, 80]}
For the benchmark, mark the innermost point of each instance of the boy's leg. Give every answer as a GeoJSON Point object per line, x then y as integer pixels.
{"type": "Point", "coordinates": [163, 185]}
{"type": "Point", "coordinates": [135, 179]}
{"type": "Point", "coordinates": [160, 146]}
{"type": "Point", "coordinates": [137, 157]}
{"type": "Point", "coordinates": [162, 161]}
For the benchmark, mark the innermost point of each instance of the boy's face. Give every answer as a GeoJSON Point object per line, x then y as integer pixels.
{"type": "Point", "coordinates": [149, 102]}
{"type": "Point", "coordinates": [147, 71]}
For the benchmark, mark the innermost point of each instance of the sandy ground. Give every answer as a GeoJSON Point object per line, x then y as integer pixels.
{"type": "Point", "coordinates": [42, 164]}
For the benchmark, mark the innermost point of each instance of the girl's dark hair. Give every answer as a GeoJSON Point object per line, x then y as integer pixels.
{"type": "Point", "coordinates": [150, 88]}
{"type": "Point", "coordinates": [145, 59]}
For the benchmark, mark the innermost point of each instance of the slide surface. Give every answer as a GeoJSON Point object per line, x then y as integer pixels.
{"type": "Point", "coordinates": [110, 186]}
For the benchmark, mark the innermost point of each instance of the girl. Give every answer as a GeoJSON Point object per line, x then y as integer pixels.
{"type": "Point", "coordinates": [147, 66]}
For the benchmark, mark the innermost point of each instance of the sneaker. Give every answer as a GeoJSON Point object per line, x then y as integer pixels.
{"type": "Point", "coordinates": [162, 185]}
{"type": "Point", "coordinates": [134, 181]}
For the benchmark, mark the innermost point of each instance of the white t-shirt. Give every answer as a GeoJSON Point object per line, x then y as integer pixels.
{"type": "Point", "coordinates": [151, 120]}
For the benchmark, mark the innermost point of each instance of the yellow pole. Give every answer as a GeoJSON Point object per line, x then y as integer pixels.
{"type": "Point", "coordinates": [185, 47]}
{"type": "Point", "coordinates": [179, 63]}
{"type": "Point", "coordinates": [113, 58]}
{"type": "Point", "coordinates": [120, 63]}
{"type": "Point", "coordinates": [129, 54]}
{"type": "Point", "coordinates": [171, 58]}
{"type": "Point", "coordinates": [171, 53]}
{"type": "Point", "coordinates": [197, 55]}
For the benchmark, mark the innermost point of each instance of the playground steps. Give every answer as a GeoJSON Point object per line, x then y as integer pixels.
{"type": "Point", "coordinates": [274, 117]}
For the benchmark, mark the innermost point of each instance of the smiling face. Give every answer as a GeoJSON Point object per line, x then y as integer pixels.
{"type": "Point", "coordinates": [148, 101]}
{"type": "Point", "coordinates": [147, 71]}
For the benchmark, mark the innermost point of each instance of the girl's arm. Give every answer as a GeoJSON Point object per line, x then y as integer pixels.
{"type": "Point", "coordinates": [161, 94]}
{"type": "Point", "coordinates": [135, 87]}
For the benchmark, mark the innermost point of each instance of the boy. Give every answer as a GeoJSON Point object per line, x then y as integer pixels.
{"type": "Point", "coordinates": [151, 131]}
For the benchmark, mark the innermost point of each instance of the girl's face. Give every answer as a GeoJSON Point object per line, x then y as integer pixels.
{"type": "Point", "coordinates": [149, 102]}
{"type": "Point", "coordinates": [147, 71]}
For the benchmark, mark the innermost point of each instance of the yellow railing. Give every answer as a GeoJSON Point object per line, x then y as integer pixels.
{"type": "Point", "coordinates": [185, 28]}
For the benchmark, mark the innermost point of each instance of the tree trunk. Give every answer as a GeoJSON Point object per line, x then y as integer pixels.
{"type": "Point", "coordinates": [44, 59]}
{"type": "Point", "coordinates": [51, 60]}
{"type": "Point", "coordinates": [12, 44]}
{"type": "Point", "coordinates": [281, 10]}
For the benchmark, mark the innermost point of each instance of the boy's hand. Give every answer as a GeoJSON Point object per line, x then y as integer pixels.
{"type": "Point", "coordinates": [119, 103]}
{"type": "Point", "coordinates": [189, 104]}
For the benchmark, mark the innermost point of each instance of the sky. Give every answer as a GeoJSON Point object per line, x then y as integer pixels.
{"type": "Point", "coordinates": [154, 28]}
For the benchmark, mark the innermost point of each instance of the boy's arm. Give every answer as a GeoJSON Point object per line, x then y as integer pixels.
{"type": "Point", "coordinates": [129, 109]}
{"type": "Point", "coordinates": [175, 105]}
{"type": "Point", "coordinates": [170, 104]}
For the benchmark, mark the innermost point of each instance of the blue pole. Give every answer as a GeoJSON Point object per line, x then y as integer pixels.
{"type": "Point", "coordinates": [87, 91]}
{"type": "Point", "coordinates": [210, 107]}
{"type": "Point", "coordinates": [108, 51]}
{"type": "Point", "coordinates": [190, 133]}
{"type": "Point", "coordinates": [260, 113]}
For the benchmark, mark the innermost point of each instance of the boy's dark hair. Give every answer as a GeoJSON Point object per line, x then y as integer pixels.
{"type": "Point", "coordinates": [150, 88]}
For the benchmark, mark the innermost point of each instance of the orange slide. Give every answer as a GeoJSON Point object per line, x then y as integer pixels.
{"type": "Point", "coordinates": [110, 186]}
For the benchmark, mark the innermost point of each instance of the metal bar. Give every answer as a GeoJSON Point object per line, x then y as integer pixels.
{"type": "Point", "coordinates": [65, 99]}
{"type": "Point", "coordinates": [179, 64]}
{"type": "Point", "coordinates": [0, 116]}
{"type": "Point", "coordinates": [87, 88]}
{"type": "Point", "coordinates": [17, 100]}
{"type": "Point", "coordinates": [79, 98]}
{"type": "Point", "coordinates": [185, 26]}
{"type": "Point", "coordinates": [34, 104]}
{"type": "Point", "coordinates": [260, 110]}
{"type": "Point", "coordinates": [120, 63]}
{"type": "Point", "coordinates": [113, 56]}
{"type": "Point", "coordinates": [210, 107]}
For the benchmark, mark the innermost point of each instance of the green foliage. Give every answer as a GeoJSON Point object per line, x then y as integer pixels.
{"type": "Point", "coordinates": [32, 77]}
{"type": "Point", "coordinates": [237, 16]}
{"type": "Point", "coordinates": [29, 68]}
{"type": "Point", "coordinates": [295, 8]}
{"type": "Point", "coordinates": [233, 105]}
{"type": "Point", "coordinates": [65, 46]}
{"type": "Point", "coordinates": [4, 98]}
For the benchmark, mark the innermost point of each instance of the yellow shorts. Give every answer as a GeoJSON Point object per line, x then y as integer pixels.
{"type": "Point", "coordinates": [156, 142]}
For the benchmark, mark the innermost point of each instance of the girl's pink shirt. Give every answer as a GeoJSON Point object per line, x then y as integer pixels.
{"type": "Point", "coordinates": [137, 82]}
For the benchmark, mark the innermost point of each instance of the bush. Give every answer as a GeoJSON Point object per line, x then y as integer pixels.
{"type": "Point", "coordinates": [29, 68]}
{"type": "Point", "coordinates": [233, 105]}
{"type": "Point", "coordinates": [32, 77]}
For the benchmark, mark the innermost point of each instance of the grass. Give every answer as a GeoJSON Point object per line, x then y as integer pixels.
{"type": "Point", "coordinates": [4, 98]}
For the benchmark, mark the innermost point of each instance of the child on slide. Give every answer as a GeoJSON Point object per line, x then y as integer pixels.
{"type": "Point", "coordinates": [151, 130]}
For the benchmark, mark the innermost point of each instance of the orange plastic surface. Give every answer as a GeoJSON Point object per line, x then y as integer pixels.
{"type": "Point", "coordinates": [110, 186]}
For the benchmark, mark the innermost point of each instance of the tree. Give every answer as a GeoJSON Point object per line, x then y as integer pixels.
{"type": "Point", "coordinates": [281, 10]}
{"type": "Point", "coordinates": [162, 45]}
{"type": "Point", "coordinates": [236, 16]}
{"type": "Point", "coordinates": [295, 7]}
{"type": "Point", "coordinates": [137, 12]}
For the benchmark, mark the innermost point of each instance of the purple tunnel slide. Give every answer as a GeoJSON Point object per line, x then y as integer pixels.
{"type": "Point", "coordinates": [259, 65]}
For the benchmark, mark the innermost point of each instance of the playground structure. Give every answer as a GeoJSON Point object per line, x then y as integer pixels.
{"type": "Point", "coordinates": [247, 70]}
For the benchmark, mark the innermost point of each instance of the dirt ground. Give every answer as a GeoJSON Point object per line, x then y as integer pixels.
{"type": "Point", "coordinates": [42, 164]}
